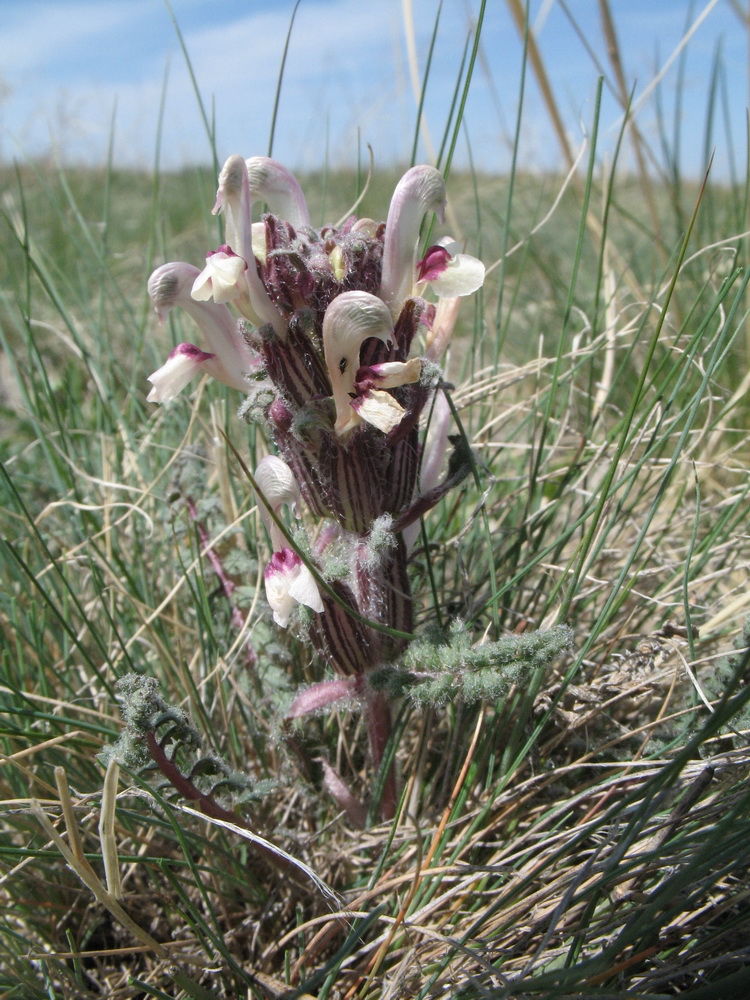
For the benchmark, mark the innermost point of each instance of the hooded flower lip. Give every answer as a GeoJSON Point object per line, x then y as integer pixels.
{"type": "Point", "coordinates": [276, 482]}
{"type": "Point", "coordinates": [229, 359]}
{"type": "Point", "coordinates": [271, 182]}
{"type": "Point", "coordinates": [350, 320]}
{"type": "Point", "coordinates": [420, 190]}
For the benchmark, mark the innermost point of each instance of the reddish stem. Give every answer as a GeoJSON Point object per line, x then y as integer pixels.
{"type": "Point", "coordinates": [207, 805]}
{"type": "Point", "coordinates": [378, 712]}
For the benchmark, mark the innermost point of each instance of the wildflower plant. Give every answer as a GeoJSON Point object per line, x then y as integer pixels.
{"type": "Point", "coordinates": [328, 319]}
{"type": "Point", "coordinates": [580, 826]}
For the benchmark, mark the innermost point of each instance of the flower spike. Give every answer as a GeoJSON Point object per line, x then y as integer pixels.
{"type": "Point", "coordinates": [336, 311]}
{"type": "Point", "coordinates": [420, 190]}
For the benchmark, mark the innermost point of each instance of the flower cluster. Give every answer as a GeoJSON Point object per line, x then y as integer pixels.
{"type": "Point", "coordinates": [323, 352]}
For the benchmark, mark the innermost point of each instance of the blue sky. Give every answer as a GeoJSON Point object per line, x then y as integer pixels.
{"type": "Point", "coordinates": [68, 66]}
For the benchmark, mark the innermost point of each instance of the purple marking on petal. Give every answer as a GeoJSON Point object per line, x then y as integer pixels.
{"type": "Point", "coordinates": [191, 351]}
{"type": "Point", "coordinates": [433, 264]}
{"type": "Point", "coordinates": [284, 561]}
{"type": "Point", "coordinates": [170, 285]}
{"type": "Point", "coordinates": [365, 380]}
{"type": "Point", "coordinates": [225, 249]}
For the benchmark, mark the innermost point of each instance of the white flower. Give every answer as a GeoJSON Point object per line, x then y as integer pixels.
{"type": "Point", "coordinates": [233, 195]}
{"type": "Point", "coordinates": [450, 273]}
{"type": "Point", "coordinates": [183, 364]}
{"type": "Point", "coordinates": [271, 182]}
{"type": "Point", "coordinates": [380, 408]}
{"type": "Point", "coordinates": [220, 278]}
{"type": "Point", "coordinates": [229, 359]}
{"type": "Point", "coordinates": [288, 583]}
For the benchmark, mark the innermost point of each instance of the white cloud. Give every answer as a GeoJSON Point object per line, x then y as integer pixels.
{"type": "Point", "coordinates": [36, 34]}
{"type": "Point", "coordinates": [343, 71]}
{"type": "Point", "coordinates": [69, 62]}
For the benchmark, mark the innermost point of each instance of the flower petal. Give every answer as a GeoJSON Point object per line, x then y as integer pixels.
{"type": "Point", "coordinates": [388, 374]}
{"type": "Point", "coordinates": [462, 276]}
{"type": "Point", "coordinates": [220, 278]}
{"type": "Point", "coordinates": [433, 264]}
{"type": "Point", "coordinates": [379, 409]}
{"type": "Point", "coordinates": [450, 272]}
{"type": "Point", "coordinates": [304, 589]}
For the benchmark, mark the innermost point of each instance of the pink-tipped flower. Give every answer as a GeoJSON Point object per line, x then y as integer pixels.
{"type": "Point", "coordinates": [229, 358]}
{"type": "Point", "coordinates": [350, 320]}
{"type": "Point", "coordinates": [449, 273]}
{"type": "Point", "coordinates": [288, 583]}
{"type": "Point", "coordinates": [272, 183]}
{"type": "Point", "coordinates": [380, 408]}
{"type": "Point", "coordinates": [183, 364]}
{"type": "Point", "coordinates": [420, 190]}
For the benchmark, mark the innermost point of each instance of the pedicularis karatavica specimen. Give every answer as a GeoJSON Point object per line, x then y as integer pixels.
{"type": "Point", "coordinates": [323, 351]}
